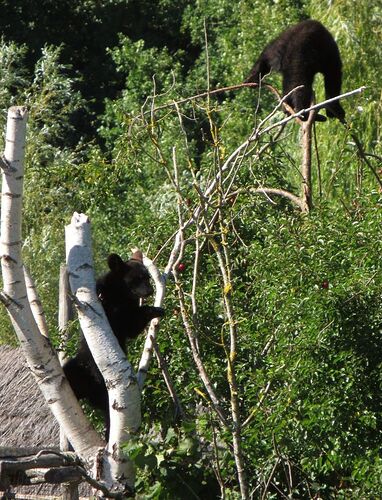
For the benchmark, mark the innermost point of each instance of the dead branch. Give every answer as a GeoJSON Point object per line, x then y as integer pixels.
{"type": "Point", "coordinates": [314, 107]}
{"type": "Point", "coordinates": [55, 475]}
{"type": "Point", "coordinates": [65, 310]}
{"type": "Point", "coordinates": [41, 460]}
{"type": "Point", "coordinates": [197, 359]}
{"type": "Point", "coordinates": [364, 156]}
{"type": "Point", "coordinates": [50, 467]}
{"type": "Point", "coordinates": [35, 304]}
{"type": "Point", "coordinates": [280, 192]}
{"type": "Point", "coordinates": [225, 266]}
{"type": "Point", "coordinates": [306, 165]}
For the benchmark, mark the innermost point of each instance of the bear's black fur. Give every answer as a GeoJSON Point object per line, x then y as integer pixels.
{"type": "Point", "coordinates": [298, 54]}
{"type": "Point", "coordinates": [119, 291]}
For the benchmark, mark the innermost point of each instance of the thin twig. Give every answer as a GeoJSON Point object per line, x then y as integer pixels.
{"type": "Point", "coordinates": [167, 378]}
{"type": "Point", "coordinates": [363, 155]}
{"type": "Point", "coordinates": [224, 265]}
{"type": "Point", "coordinates": [264, 394]}
{"type": "Point", "coordinates": [280, 192]}
{"type": "Point", "coordinates": [197, 359]}
{"type": "Point", "coordinates": [314, 107]}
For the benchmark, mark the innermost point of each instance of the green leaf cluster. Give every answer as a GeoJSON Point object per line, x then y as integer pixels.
{"type": "Point", "coordinates": [305, 289]}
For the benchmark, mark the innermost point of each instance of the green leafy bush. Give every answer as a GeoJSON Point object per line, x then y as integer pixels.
{"type": "Point", "coordinates": [304, 289]}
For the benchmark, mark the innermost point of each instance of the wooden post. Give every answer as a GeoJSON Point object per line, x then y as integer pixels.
{"type": "Point", "coordinates": [65, 309]}
{"type": "Point", "coordinates": [65, 314]}
{"type": "Point", "coordinates": [306, 165]}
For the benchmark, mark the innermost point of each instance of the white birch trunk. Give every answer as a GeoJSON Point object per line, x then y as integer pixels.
{"type": "Point", "coordinates": [124, 394]}
{"type": "Point", "coordinates": [35, 303]}
{"type": "Point", "coordinates": [39, 353]}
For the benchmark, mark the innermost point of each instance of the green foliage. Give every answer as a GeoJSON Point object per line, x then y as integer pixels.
{"type": "Point", "coordinates": [305, 289]}
{"type": "Point", "coordinates": [51, 100]}
{"type": "Point", "coordinates": [14, 76]}
{"type": "Point", "coordinates": [315, 291]}
{"type": "Point", "coordinates": [170, 465]}
{"type": "Point", "coordinates": [149, 72]}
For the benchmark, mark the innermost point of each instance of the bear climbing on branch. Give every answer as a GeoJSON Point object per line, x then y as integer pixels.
{"type": "Point", "coordinates": [298, 54]}
{"type": "Point", "coordinates": [120, 291]}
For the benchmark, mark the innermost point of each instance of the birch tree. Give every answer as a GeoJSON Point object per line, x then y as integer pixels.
{"type": "Point", "coordinates": [104, 466]}
{"type": "Point", "coordinates": [40, 356]}
{"type": "Point", "coordinates": [120, 379]}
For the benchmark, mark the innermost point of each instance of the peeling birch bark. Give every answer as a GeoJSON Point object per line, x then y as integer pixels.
{"type": "Point", "coordinates": [124, 394]}
{"type": "Point", "coordinates": [35, 303]}
{"type": "Point", "coordinates": [38, 351]}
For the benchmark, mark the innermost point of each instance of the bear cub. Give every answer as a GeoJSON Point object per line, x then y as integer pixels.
{"type": "Point", "coordinates": [120, 291]}
{"type": "Point", "coordinates": [298, 54]}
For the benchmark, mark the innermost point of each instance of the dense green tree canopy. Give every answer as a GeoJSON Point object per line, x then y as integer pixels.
{"type": "Point", "coordinates": [100, 79]}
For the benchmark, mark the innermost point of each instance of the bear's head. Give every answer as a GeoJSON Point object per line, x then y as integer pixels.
{"type": "Point", "coordinates": [132, 273]}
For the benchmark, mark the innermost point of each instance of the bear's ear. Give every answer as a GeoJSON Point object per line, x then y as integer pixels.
{"type": "Point", "coordinates": [114, 262]}
{"type": "Point", "coordinates": [137, 255]}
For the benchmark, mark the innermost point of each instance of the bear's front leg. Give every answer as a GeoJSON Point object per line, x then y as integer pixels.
{"type": "Point", "coordinates": [151, 312]}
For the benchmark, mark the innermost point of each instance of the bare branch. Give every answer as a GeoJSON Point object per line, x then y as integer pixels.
{"type": "Point", "coordinates": [364, 156]}
{"type": "Point", "coordinates": [160, 287]}
{"type": "Point", "coordinates": [35, 303]}
{"type": "Point", "coordinates": [314, 107]}
{"type": "Point", "coordinates": [306, 165]}
{"type": "Point", "coordinates": [167, 378]}
{"type": "Point", "coordinates": [225, 265]}
{"type": "Point", "coordinates": [193, 344]}
{"type": "Point", "coordinates": [280, 192]}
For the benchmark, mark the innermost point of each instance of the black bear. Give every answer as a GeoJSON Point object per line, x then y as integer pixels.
{"type": "Point", "coordinates": [120, 291]}
{"type": "Point", "coordinates": [298, 54]}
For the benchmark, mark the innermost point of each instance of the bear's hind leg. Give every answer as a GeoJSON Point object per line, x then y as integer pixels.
{"type": "Point", "coordinates": [333, 80]}
{"type": "Point", "coordinates": [300, 98]}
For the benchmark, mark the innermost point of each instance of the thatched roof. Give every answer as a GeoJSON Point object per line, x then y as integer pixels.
{"type": "Point", "coordinates": [25, 419]}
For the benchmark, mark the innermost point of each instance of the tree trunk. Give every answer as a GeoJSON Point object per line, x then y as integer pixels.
{"type": "Point", "coordinates": [124, 395]}
{"type": "Point", "coordinates": [38, 351]}
{"type": "Point", "coordinates": [65, 314]}
{"type": "Point", "coordinates": [306, 166]}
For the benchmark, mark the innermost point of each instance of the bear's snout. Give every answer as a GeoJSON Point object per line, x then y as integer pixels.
{"type": "Point", "coordinates": [144, 290]}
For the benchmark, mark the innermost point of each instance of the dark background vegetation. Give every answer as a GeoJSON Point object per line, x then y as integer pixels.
{"type": "Point", "coordinates": [306, 286]}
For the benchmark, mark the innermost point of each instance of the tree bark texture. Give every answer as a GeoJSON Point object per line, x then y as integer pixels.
{"type": "Point", "coordinates": [120, 379]}
{"type": "Point", "coordinates": [39, 353]}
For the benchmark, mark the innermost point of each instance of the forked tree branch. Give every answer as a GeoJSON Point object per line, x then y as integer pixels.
{"type": "Point", "coordinates": [40, 356]}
